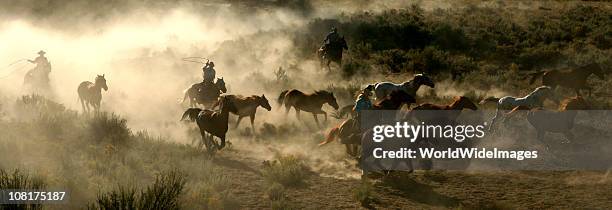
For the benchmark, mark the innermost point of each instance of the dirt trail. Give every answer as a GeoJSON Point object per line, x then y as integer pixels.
{"type": "Point", "coordinates": [425, 190]}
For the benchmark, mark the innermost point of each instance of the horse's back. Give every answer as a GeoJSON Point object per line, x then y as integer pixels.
{"type": "Point", "coordinates": [84, 87]}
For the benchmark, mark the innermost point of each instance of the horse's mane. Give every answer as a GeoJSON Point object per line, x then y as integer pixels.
{"type": "Point", "coordinates": [322, 92]}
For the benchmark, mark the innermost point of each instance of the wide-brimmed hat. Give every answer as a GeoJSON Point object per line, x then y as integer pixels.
{"type": "Point", "coordinates": [41, 52]}
{"type": "Point", "coordinates": [211, 64]}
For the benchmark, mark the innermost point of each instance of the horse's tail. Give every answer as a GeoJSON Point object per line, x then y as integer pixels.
{"type": "Point", "coordinates": [489, 99]}
{"type": "Point", "coordinates": [331, 136]}
{"type": "Point", "coordinates": [281, 97]}
{"type": "Point", "coordinates": [535, 76]}
{"type": "Point", "coordinates": [191, 114]}
{"type": "Point", "coordinates": [186, 92]}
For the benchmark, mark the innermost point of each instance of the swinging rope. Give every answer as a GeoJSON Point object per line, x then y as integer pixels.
{"type": "Point", "coordinates": [13, 70]}
{"type": "Point", "coordinates": [195, 59]}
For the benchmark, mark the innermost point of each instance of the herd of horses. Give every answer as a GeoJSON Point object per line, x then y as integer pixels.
{"type": "Point", "coordinates": [213, 122]}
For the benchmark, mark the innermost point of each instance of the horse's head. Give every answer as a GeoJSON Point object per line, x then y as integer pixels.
{"type": "Point", "coordinates": [263, 102]}
{"type": "Point", "coordinates": [464, 103]}
{"type": "Point", "coordinates": [101, 82]}
{"type": "Point", "coordinates": [401, 97]}
{"type": "Point", "coordinates": [329, 98]}
{"type": "Point", "coordinates": [421, 79]}
{"type": "Point", "coordinates": [221, 85]}
{"type": "Point", "coordinates": [575, 103]}
{"type": "Point", "coordinates": [227, 104]}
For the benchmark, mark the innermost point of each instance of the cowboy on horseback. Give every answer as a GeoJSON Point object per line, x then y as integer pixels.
{"type": "Point", "coordinates": [43, 67]}
{"type": "Point", "coordinates": [209, 73]}
{"type": "Point", "coordinates": [331, 38]}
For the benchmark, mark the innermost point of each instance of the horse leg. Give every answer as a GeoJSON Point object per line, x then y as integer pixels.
{"type": "Point", "coordinates": [569, 135]}
{"type": "Point", "coordinates": [238, 122]}
{"type": "Point", "coordinates": [541, 135]}
{"type": "Point", "coordinates": [253, 122]}
{"type": "Point", "coordinates": [219, 147]}
{"type": "Point", "coordinates": [316, 119]}
{"type": "Point", "coordinates": [287, 108]}
{"type": "Point", "coordinates": [577, 91]}
{"type": "Point", "coordinates": [328, 66]}
{"type": "Point", "coordinates": [497, 113]}
{"type": "Point", "coordinates": [297, 113]}
{"type": "Point", "coordinates": [82, 104]}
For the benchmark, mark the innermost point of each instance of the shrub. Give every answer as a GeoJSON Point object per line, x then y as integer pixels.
{"type": "Point", "coordinates": [363, 193]}
{"type": "Point", "coordinates": [163, 194]}
{"type": "Point", "coordinates": [20, 180]}
{"type": "Point", "coordinates": [287, 170]}
{"type": "Point", "coordinates": [111, 128]}
{"type": "Point", "coordinates": [275, 192]}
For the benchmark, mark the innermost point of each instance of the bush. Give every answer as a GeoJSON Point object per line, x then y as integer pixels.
{"type": "Point", "coordinates": [111, 128]}
{"type": "Point", "coordinates": [363, 193]}
{"type": "Point", "coordinates": [20, 180]}
{"type": "Point", "coordinates": [287, 170]}
{"type": "Point", "coordinates": [163, 194]}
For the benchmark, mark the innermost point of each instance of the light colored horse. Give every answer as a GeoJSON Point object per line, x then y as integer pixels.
{"type": "Point", "coordinates": [91, 93]}
{"type": "Point", "coordinates": [532, 100]}
{"type": "Point", "coordinates": [382, 89]}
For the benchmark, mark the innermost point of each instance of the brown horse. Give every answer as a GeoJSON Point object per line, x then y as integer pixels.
{"type": "Point", "coordinates": [247, 106]}
{"type": "Point", "coordinates": [349, 132]}
{"type": "Point", "coordinates": [91, 93]}
{"type": "Point", "coordinates": [574, 78]}
{"type": "Point", "coordinates": [307, 102]}
{"type": "Point", "coordinates": [560, 121]}
{"type": "Point", "coordinates": [212, 122]}
{"type": "Point", "coordinates": [459, 103]}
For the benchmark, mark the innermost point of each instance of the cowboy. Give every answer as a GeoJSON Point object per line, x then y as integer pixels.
{"type": "Point", "coordinates": [41, 62]}
{"type": "Point", "coordinates": [209, 72]}
{"type": "Point", "coordinates": [331, 37]}
{"type": "Point", "coordinates": [362, 103]}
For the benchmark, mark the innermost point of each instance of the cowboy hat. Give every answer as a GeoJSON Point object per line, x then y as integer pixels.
{"type": "Point", "coordinates": [41, 52]}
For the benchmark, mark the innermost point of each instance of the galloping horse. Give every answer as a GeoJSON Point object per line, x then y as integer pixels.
{"type": "Point", "coordinates": [575, 78]}
{"type": "Point", "coordinates": [532, 100]}
{"type": "Point", "coordinates": [333, 52]}
{"type": "Point", "coordinates": [561, 121]}
{"type": "Point", "coordinates": [91, 93]}
{"type": "Point", "coordinates": [247, 106]}
{"type": "Point", "coordinates": [382, 89]}
{"type": "Point", "coordinates": [307, 102]}
{"type": "Point", "coordinates": [201, 93]}
{"type": "Point", "coordinates": [459, 103]}
{"type": "Point", "coordinates": [349, 132]}
{"type": "Point", "coordinates": [212, 122]}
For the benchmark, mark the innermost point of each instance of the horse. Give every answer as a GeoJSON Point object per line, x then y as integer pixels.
{"type": "Point", "coordinates": [349, 132]}
{"type": "Point", "coordinates": [212, 122]}
{"type": "Point", "coordinates": [37, 80]}
{"type": "Point", "coordinates": [307, 102]}
{"type": "Point", "coordinates": [532, 100]}
{"type": "Point", "coordinates": [459, 103]}
{"type": "Point", "coordinates": [574, 78]}
{"type": "Point", "coordinates": [560, 121]}
{"type": "Point", "coordinates": [91, 93]}
{"type": "Point", "coordinates": [204, 94]}
{"type": "Point", "coordinates": [382, 89]}
{"type": "Point", "coordinates": [247, 106]}
{"type": "Point", "coordinates": [332, 52]}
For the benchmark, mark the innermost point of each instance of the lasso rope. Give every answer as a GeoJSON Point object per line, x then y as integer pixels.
{"type": "Point", "coordinates": [13, 69]}
{"type": "Point", "coordinates": [195, 59]}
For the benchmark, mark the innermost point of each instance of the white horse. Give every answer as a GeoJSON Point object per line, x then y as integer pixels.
{"type": "Point", "coordinates": [382, 89]}
{"type": "Point", "coordinates": [532, 100]}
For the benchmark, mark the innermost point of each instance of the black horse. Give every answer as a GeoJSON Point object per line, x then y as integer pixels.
{"type": "Point", "coordinates": [332, 52]}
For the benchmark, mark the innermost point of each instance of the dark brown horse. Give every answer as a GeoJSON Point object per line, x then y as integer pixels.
{"type": "Point", "coordinates": [91, 93]}
{"type": "Point", "coordinates": [575, 78]}
{"type": "Point", "coordinates": [312, 102]}
{"type": "Point", "coordinates": [459, 103]}
{"type": "Point", "coordinates": [212, 122]}
{"type": "Point", "coordinates": [349, 132]}
{"type": "Point", "coordinates": [205, 94]}
{"type": "Point", "coordinates": [247, 106]}
{"type": "Point", "coordinates": [560, 121]}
